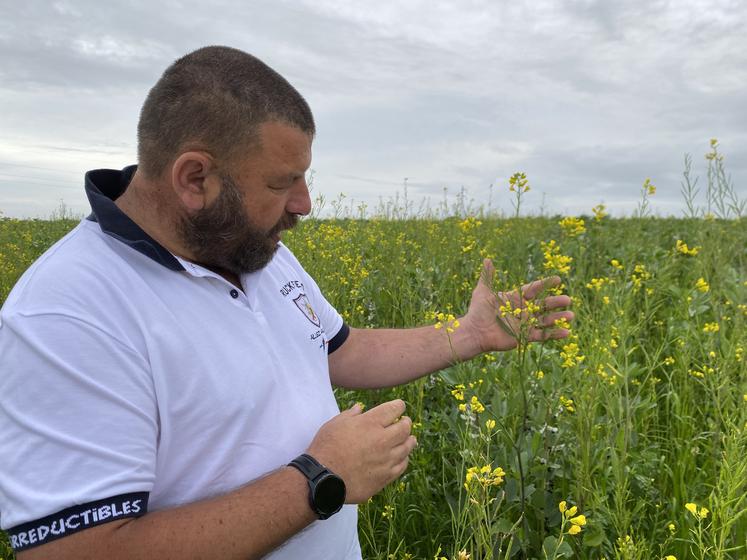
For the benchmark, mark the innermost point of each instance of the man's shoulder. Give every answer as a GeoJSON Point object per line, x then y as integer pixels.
{"type": "Point", "coordinates": [72, 274]}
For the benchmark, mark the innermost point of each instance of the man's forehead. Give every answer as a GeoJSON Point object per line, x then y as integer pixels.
{"type": "Point", "coordinates": [286, 147]}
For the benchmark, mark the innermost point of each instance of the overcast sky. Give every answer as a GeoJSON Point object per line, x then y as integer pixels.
{"type": "Point", "coordinates": [588, 98]}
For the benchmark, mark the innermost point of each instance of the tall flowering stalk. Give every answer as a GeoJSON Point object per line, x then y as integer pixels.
{"type": "Point", "coordinates": [519, 316]}
{"type": "Point", "coordinates": [519, 185]}
{"type": "Point", "coordinates": [647, 190]}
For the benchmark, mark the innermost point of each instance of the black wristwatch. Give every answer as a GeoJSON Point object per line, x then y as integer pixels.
{"type": "Point", "coordinates": [326, 489]}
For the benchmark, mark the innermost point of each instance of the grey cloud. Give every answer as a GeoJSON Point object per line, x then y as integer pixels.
{"type": "Point", "coordinates": [588, 97]}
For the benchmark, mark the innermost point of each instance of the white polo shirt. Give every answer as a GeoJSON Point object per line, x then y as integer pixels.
{"type": "Point", "coordinates": [134, 381]}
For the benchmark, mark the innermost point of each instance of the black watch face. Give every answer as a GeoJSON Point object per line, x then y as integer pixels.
{"type": "Point", "coordinates": [329, 494]}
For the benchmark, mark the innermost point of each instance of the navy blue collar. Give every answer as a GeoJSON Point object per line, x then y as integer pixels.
{"type": "Point", "coordinates": [103, 186]}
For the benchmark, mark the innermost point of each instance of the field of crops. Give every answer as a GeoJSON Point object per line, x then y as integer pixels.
{"type": "Point", "coordinates": [627, 440]}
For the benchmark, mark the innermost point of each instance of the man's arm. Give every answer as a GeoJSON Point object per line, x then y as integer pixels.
{"type": "Point", "coordinates": [246, 523]}
{"type": "Point", "coordinates": [375, 358]}
{"type": "Point", "coordinates": [367, 450]}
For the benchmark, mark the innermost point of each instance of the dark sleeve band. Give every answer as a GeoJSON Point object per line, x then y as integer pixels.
{"type": "Point", "coordinates": [338, 339]}
{"type": "Point", "coordinates": [77, 518]}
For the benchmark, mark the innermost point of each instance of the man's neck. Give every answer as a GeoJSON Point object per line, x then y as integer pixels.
{"type": "Point", "coordinates": [142, 202]}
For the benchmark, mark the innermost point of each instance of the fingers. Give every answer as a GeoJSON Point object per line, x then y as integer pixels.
{"type": "Point", "coordinates": [531, 290]}
{"type": "Point", "coordinates": [488, 271]}
{"type": "Point", "coordinates": [550, 330]}
{"type": "Point", "coordinates": [541, 335]}
{"type": "Point", "coordinates": [549, 320]}
{"type": "Point", "coordinates": [403, 450]}
{"type": "Point", "coordinates": [387, 413]}
{"type": "Point", "coordinates": [401, 453]}
{"type": "Point", "coordinates": [400, 430]}
{"type": "Point", "coordinates": [553, 302]}
{"type": "Point", "coordinates": [354, 410]}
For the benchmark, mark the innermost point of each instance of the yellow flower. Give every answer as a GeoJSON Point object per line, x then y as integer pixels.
{"type": "Point", "coordinates": [579, 520]}
{"type": "Point", "coordinates": [571, 511]}
{"type": "Point", "coordinates": [574, 530]}
{"type": "Point", "coordinates": [518, 182]}
{"type": "Point", "coordinates": [682, 248]}
{"type": "Point", "coordinates": [483, 476]}
{"type": "Point", "coordinates": [469, 223]}
{"type": "Point", "coordinates": [599, 212]}
{"type": "Point", "coordinates": [463, 555]}
{"type": "Point", "coordinates": [701, 285]}
{"type": "Point", "coordinates": [554, 260]}
{"type": "Point", "coordinates": [508, 309]}
{"type": "Point", "coordinates": [671, 528]}
{"type": "Point", "coordinates": [701, 513]}
{"type": "Point", "coordinates": [443, 319]}
{"type": "Point", "coordinates": [670, 557]}
{"type": "Point", "coordinates": [640, 275]}
{"type": "Point", "coordinates": [649, 188]}
{"type": "Point", "coordinates": [490, 424]}
{"type": "Point", "coordinates": [616, 264]}
{"type": "Point", "coordinates": [476, 405]}
{"type": "Point", "coordinates": [568, 405]}
{"type": "Point", "coordinates": [598, 283]}
{"type": "Point", "coordinates": [571, 356]}
{"type": "Point", "coordinates": [562, 506]}
{"type": "Point", "coordinates": [572, 226]}
{"type": "Point", "coordinates": [668, 361]}
{"type": "Point", "coordinates": [711, 327]}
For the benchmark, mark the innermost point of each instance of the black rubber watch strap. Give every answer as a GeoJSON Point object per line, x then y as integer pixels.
{"type": "Point", "coordinates": [326, 489]}
{"type": "Point", "coordinates": [310, 467]}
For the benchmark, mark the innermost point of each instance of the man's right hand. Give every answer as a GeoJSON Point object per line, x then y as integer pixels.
{"type": "Point", "coordinates": [367, 450]}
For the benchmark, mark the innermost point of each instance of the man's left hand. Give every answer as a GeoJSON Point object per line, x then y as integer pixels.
{"type": "Point", "coordinates": [484, 313]}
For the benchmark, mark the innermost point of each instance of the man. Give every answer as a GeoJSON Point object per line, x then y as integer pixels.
{"type": "Point", "coordinates": [168, 365]}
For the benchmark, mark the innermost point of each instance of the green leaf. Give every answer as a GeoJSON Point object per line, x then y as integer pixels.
{"type": "Point", "coordinates": [504, 525]}
{"type": "Point", "coordinates": [593, 536]}
{"type": "Point", "coordinates": [549, 546]}
{"type": "Point", "coordinates": [565, 550]}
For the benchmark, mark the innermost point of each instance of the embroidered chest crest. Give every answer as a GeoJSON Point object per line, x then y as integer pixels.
{"type": "Point", "coordinates": [303, 303]}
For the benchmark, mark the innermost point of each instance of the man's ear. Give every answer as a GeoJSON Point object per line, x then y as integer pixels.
{"type": "Point", "coordinates": [194, 180]}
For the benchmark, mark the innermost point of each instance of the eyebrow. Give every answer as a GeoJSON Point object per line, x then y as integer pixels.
{"type": "Point", "coordinates": [287, 178]}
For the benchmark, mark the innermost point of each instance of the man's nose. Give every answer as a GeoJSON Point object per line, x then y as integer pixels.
{"type": "Point", "coordinates": [299, 201]}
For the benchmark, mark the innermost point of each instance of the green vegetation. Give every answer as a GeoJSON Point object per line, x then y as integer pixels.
{"type": "Point", "coordinates": [627, 440]}
{"type": "Point", "coordinates": [639, 413]}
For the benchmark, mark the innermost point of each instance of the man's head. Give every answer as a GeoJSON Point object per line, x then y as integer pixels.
{"type": "Point", "coordinates": [231, 139]}
{"type": "Point", "coordinates": [214, 99]}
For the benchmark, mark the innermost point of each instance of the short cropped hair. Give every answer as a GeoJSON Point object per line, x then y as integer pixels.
{"type": "Point", "coordinates": [215, 99]}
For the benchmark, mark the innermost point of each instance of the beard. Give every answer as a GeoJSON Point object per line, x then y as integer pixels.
{"type": "Point", "coordinates": [223, 235]}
